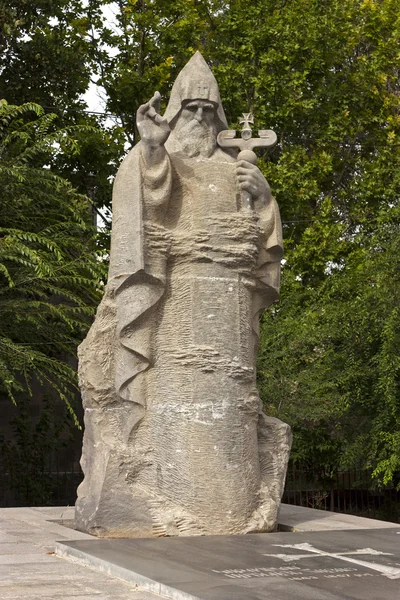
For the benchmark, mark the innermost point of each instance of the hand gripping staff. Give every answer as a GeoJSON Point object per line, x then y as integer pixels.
{"type": "Point", "coordinates": [246, 143]}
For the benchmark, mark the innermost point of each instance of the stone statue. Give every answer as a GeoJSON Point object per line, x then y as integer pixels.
{"type": "Point", "coordinates": [176, 442]}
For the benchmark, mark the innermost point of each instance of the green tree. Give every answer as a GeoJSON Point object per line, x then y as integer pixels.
{"type": "Point", "coordinates": [151, 40]}
{"type": "Point", "coordinates": [330, 360]}
{"type": "Point", "coordinates": [50, 274]}
{"type": "Point", "coordinates": [46, 57]}
{"type": "Point", "coordinates": [324, 75]}
{"type": "Point", "coordinates": [336, 177]}
{"type": "Point", "coordinates": [44, 52]}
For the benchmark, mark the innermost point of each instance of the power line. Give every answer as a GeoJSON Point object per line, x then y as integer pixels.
{"type": "Point", "coordinates": [89, 112]}
{"type": "Point", "coordinates": [287, 139]}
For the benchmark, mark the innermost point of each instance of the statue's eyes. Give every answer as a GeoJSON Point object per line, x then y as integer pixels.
{"type": "Point", "coordinates": [195, 107]}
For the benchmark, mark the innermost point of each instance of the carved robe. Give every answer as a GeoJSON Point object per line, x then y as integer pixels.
{"type": "Point", "coordinates": [175, 440]}
{"type": "Point", "coordinates": [178, 335]}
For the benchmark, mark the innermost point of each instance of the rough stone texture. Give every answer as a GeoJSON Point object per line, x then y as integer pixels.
{"type": "Point", "coordinates": [175, 439]}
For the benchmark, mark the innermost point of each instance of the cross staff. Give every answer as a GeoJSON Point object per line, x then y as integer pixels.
{"type": "Point", "coordinates": [227, 139]}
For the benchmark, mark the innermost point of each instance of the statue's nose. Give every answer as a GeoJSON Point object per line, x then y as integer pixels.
{"type": "Point", "coordinates": [199, 114]}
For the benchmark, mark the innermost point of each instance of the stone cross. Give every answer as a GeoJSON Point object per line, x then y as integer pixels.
{"type": "Point", "coordinates": [246, 129]}
{"type": "Point", "coordinates": [227, 139]}
{"type": "Point", "coordinates": [203, 90]}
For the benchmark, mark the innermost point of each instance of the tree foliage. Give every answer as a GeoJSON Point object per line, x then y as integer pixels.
{"type": "Point", "coordinates": [330, 353]}
{"type": "Point", "coordinates": [44, 52]}
{"type": "Point", "coordinates": [49, 273]}
{"type": "Point", "coordinates": [46, 57]}
{"type": "Point", "coordinates": [324, 74]}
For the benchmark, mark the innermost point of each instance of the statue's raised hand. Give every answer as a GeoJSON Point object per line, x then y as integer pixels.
{"type": "Point", "coordinates": [154, 129]}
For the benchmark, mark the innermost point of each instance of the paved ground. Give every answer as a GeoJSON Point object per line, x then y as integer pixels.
{"type": "Point", "coordinates": [30, 571]}
{"type": "Point", "coordinates": [357, 564]}
{"type": "Point", "coordinates": [299, 518]}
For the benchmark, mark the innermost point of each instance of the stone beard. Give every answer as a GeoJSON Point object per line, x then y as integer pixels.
{"type": "Point", "coordinates": [175, 440]}
{"type": "Point", "coordinates": [196, 139]}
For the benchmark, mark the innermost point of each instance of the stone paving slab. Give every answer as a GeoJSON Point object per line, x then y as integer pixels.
{"type": "Point", "coordinates": [23, 559]}
{"type": "Point", "coordinates": [324, 565]}
{"type": "Point", "coordinates": [299, 518]}
{"type": "Point", "coordinates": [64, 592]}
{"type": "Point", "coordinates": [29, 569]}
{"type": "Point", "coordinates": [23, 548]}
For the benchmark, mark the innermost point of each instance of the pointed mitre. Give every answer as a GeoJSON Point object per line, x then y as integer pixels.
{"type": "Point", "coordinates": [195, 82]}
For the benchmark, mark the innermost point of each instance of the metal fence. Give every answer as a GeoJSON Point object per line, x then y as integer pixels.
{"type": "Point", "coordinates": [352, 491]}
{"type": "Point", "coordinates": [51, 484]}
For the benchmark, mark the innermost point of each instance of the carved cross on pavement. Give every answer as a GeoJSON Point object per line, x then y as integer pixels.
{"type": "Point", "coordinates": [390, 572]}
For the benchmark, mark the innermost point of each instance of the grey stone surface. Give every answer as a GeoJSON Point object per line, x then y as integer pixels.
{"type": "Point", "coordinates": [176, 442]}
{"type": "Point", "coordinates": [29, 570]}
{"type": "Point", "coordinates": [299, 518]}
{"type": "Point", "coordinates": [335, 565]}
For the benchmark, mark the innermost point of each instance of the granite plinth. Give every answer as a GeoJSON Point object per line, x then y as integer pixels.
{"type": "Point", "coordinates": [323, 565]}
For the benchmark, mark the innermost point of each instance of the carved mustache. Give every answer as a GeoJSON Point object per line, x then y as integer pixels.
{"type": "Point", "coordinates": [194, 124]}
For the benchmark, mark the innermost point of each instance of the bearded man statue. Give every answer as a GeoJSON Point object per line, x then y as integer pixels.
{"type": "Point", "coordinates": [175, 441]}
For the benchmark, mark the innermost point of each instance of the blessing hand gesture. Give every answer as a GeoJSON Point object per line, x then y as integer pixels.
{"type": "Point", "coordinates": [154, 130]}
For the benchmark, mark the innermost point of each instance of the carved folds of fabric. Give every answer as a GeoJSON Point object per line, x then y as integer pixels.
{"type": "Point", "coordinates": [230, 239]}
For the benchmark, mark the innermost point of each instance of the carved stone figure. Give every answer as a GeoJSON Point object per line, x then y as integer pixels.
{"type": "Point", "coordinates": [176, 442]}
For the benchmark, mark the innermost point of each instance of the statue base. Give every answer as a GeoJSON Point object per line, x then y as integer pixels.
{"type": "Point", "coordinates": [110, 505]}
